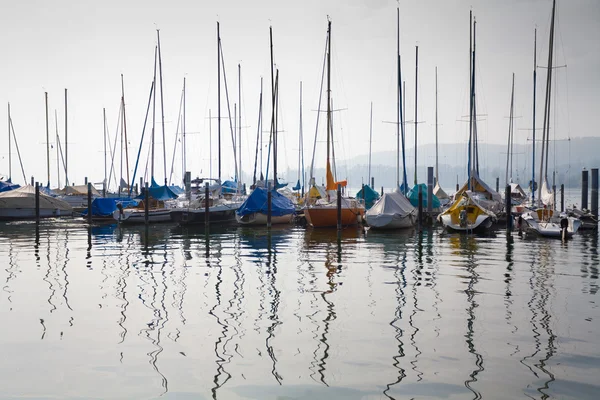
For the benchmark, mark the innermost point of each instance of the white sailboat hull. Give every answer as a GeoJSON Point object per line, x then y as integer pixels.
{"type": "Point", "coordinates": [551, 228]}
{"type": "Point", "coordinates": [391, 221]}
{"type": "Point", "coordinates": [29, 213]}
{"type": "Point", "coordinates": [136, 216]}
{"type": "Point", "coordinates": [481, 222]}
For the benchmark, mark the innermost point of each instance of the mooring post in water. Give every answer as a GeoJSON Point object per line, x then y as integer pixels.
{"type": "Point", "coordinates": [429, 192]}
{"type": "Point", "coordinates": [269, 206]}
{"type": "Point", "coordinates": [146, 207]}
{"type": "Point", "coordinates": [554, 196]}
{"type": "Point", "coordinates": [339, 207]}
{"type": "Point", "coordinates": [562, 197]}
{"type": "Point", "coordinates": [141, 183]}
{"type": "Point", "coordinates": [85, 179]}
{"type": "Point", "coordinates": [89, 199]}
{"type": "Point", "coordinates": [584, 189]}
{"type": "Point", "coordinates": [595, 192]}
{"type": "Point", "coordinates": [32, 184]}
{"type": "Point", "coordinates": [498, 185]}
{"type": "Point", "coordinates": [206, 204]}
{"type": "Point", "coordinates": [508, 208]}
{"type": "Point", "coordinates": [104, 188]}
{"type": "Point", "coordinates": [363, 195]}
{"type": "Point", "coordinates": [37, 202]}
{"type": "Point", "coordinates": [372, 182]}
{"type": "Point", "coordinates": [382, 190]}
{"type": "Point", "coordinates": [420, 218]}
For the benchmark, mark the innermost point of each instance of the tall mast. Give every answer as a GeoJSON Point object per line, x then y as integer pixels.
{"type": "Point", "coordinates": [162, 107]}
{"type": "Point", "coordinates": [300, 142]}
{"type": "Point", "coordinates": [371, 143]}
{"type": "Point", "coordinates": [533, 142]}
{"type": "Point", "coordinates": [47, 142]}
{"type": "Point", "coordinates": [328, 94]}
{"type": "Point", "coordinates": [416, 103]}
{"type": "Point", "coordinates": [260, 126]}
{"type": "Point", "coordinates": [273, 99]}
{"type": "Point", "coordinates": [475, 137]}
{"type": "Point", "coordinates": [437, 178]}
{"type": "Point", "coordinates": [546, 125]}
{"type": "Point", "coordinates": [66, 144]}
{"type": "Point", "coordinates": [121, 149]}
{"type": "Point", "coordinates": [153, 114]}
{"type": "Point", "coordinates": [470, 152]}
{"type": "Point", "coordinates": [183, 149]}
{"type": "Point", "coordinates": [210, 143]}
{"type": "Point", "coordinates": [240, 121]}
{"type": "Point", "coordinates": [399, 105]}
{"type": "Point", "coordinates": [125, 130]}
{"type": "Point", "coordinates": [104, 136]}
{"type": "Point", "coordinates": [9, 148]}
{"type": "Point", "coordinates": [57, 149]}
{"type": "Point", "coordinates": [510, 132]}
{"type": "Point", "coordinates": [219, 99]}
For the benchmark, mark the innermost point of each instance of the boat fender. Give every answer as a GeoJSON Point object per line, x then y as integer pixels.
{"type": "Point", "coordinates": [564, 224]}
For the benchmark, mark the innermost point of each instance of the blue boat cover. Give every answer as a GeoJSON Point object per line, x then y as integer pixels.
{"type": "Point", "coordinates": [413, 196]}
{"type": "Point", "coordinates": [104, 207]}
{"type": "Point", "coordinates": [257, 202]}
{"type": "Point", "coordinates": [5, 186]}
{"type": "Point", "coordinates": [298, 186]}
{"type": "Point", "coordinates": [157, 192]}
{"type": "Point", "coordinates": [370, 197]}
{"type": "Point", "coordinates": [177, 190]}
{"type": "Point", "coordinates": [229, 187]}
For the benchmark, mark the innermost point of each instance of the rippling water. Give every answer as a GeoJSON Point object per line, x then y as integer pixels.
{"type": "Point", "coordinates": [306, 314]}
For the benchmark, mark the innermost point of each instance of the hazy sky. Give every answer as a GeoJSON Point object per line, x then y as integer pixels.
{"type": "Point", "coordinates": [85, 46]}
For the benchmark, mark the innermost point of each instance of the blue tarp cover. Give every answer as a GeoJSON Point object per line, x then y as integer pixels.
{"type": "Point", "coordinates": [298, 186]}
{"type": "Point", "coordinates": [229, 187]}
{"type": "Point", "coordinates": [104, 207]}
{"type": "Point", "coordinates": [257, 202]}
{"type": "Point", "coordinates": [177, 190]}
{"type": "Point", "coordinates": [413, 196]}
{"type": "Point", "coordinates": [157, 192]}
{"type": "Point", "coordinates": [5, 186]}
{"type": "Point", "coordinates": [371, 196]}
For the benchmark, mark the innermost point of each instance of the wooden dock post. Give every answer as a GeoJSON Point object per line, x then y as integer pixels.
{"type": "Point", "coordinates": [562, 197]}
{"type": "Point", "coordinates": [89, 202]}
{"type": "Point", "coordinates": [584, 189]}
{"type": "Point", "coordinates": [429, 194]}
{"type": "Point", "coordinates": [420, 217]}
{"type": "Point", "coordinates": [146, 206]}
{"type": "Point", "coordinates": [372, 182]}
{"type": "Point", "coordinates": [498, 184]}
{"type": "Point", "coordinates": [595, 192]}
{"type": "Point", "coordinates": [206, 205]}
{"type": "Point", "coordinates": [339, 207]}
{"type": "Point", "coordinates": [269, 206]}
{"type": "Point", "coordinates": [508, 208]}
{"type": "Point", "coordinates": [37, 202]}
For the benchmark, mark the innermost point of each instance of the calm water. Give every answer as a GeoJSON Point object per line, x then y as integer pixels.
{"type": "Point", "coordinates": [244, 314]}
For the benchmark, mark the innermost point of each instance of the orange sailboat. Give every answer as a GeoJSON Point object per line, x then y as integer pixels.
{"type": "Point", "coordinates": [321, 208]}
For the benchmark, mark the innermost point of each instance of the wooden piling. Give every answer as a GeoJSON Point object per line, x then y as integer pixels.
{"type": "Point", "coordinates": [37, 202]}
{"type": "Point", "coordinates": [595, 192]}
{"type": "Point", "coordinates": [146, 205]}
{"type": "Point", "coordinates": [339, 207]}
{"type": "Point", "coordinates": [420, 218]}
{"type": "Point", "coordinates": [584, 189]}
{"type": "Point", "coordinates": [269, 207]}
{"type": "Point", "coordinates": [498, 184]}
{"type": "Point", "coordinates": [206, 205]}
{"type": "Point", "coordinates": [562, 197]}
{"type": "Point", "coordinates": [372, 183]}
{"type": "Point", "coordinates": [429, 191]}
{"type": "Point", "coordinates": [508, 208]}
{"type": "Point", "coordinates": [89, 202]}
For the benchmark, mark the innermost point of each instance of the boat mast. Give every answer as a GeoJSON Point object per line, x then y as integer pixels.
{"type": "Point", "coordinates": [183, 145]}
{"type": "Point", "coordinates": [153, 113]}
{"type": "Point", "coordinates": [104, 137]}
{"type": "Point", "coordinates": [240, 123]}
{"type": "Point", "coordinates": [57, 149]}
{"type": "Point", "coordinates": [546, 125]}
{"type": "Point", "coordinates": [273, 127]}
{"type": "Point", "coordinates": [162, 108]}
{"type": "Point", "coordinates": [437, 179]}
{"type": "Point", "coordinates": [416, 108]}
{"type": "Point", "coordinates": [475, 137]}
{"type": "Point", "coordinates": [470, 98]}
{"type": "Point", "coordinates": [328, 96]}
{"type": "Point", "coordinates": [301, 147]}
{"type": "Point", "coordinates": [219, 100]}
{"type": "Point", "coordinates": [510, 133]}
{"type": "Point", "coordinates": [47, 142]}
{"type": "Point", "coordinates": [66, 145]}
{"type": "Point", "coordinates": [370, 143]}
{"type": "Point", "coordinates": [9, 148]}
{"type": "Point", "coordinates": [533, 142]}
{"type": "Point", "coordinates": [399, 104]}
{"type": "Point", "coordinates": [125, 130]}
{"type": "Point", "coordinates": [210, 142]}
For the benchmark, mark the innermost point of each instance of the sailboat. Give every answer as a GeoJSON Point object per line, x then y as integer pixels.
{"type": "Point", "coordinates": [545, 221]}
{"type": "Point", "coordinates": [322, 212]}
{"type": "Point", "coordinates": [475, 204]}
{"type": "Point", "coordinates": [220, 209]}
{"type": "Point", "coordinates": [254, 210]}
{"type": "Point", "coordinates": [394, 210]}
{"type": "Point", "coordinates": [156, 195]}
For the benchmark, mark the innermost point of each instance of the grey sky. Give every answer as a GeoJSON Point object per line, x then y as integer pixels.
{"type": "Point", "coordinates": [85, 46]}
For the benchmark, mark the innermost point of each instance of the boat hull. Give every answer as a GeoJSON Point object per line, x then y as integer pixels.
{"type": "Point", "coordinates": [261, 219]}
{"type": "Point", "coordinates": [7, 214]}
{"type": "Point", "coordinates": [193, 216]}
{"type": "Point", "coordinates": [482, 222]}
{"type": "Point", "coordinates": [136, 216]}
{"type": "Point", "coordinates": [323, 217]}
{"type": "Point", "coordinates": [552, 229]}
{"type": "Point", "coordinates": [391, 221]}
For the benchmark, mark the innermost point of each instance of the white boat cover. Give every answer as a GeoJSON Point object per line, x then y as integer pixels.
{"type": "Point", "coordinates": [76, 190]}
{"type": "Point", "coordinates": [391, 203]}
{"type": "Point", "coordinates": [547, 196]}
{"type": "Point", "coordinates": [439, 192]}
{"type": "Point", "coordinates": [24, 197]}
{"type": "Point", "coordinates": [516, 188]}
{"type": "Point", "coordinates": [478, 185]}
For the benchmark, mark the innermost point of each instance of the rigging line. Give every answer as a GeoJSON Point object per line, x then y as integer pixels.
{"type": "Point", "coordinates": [258, 133]}
{"type": "Point", "coordinates": [142, 139]}
{"type": "Point", "coordinates": [312, 163]}
{"type": "Point", "coordinates": [228, 109]}
{"type": "Point", "coordinates": [162, 107]}
{"type": "Point", "coordinates": [17, 147]}
{"type": "Point", "coordinates": [114, 148]}
{"type": "Point", "coordinates": [176, 134]}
